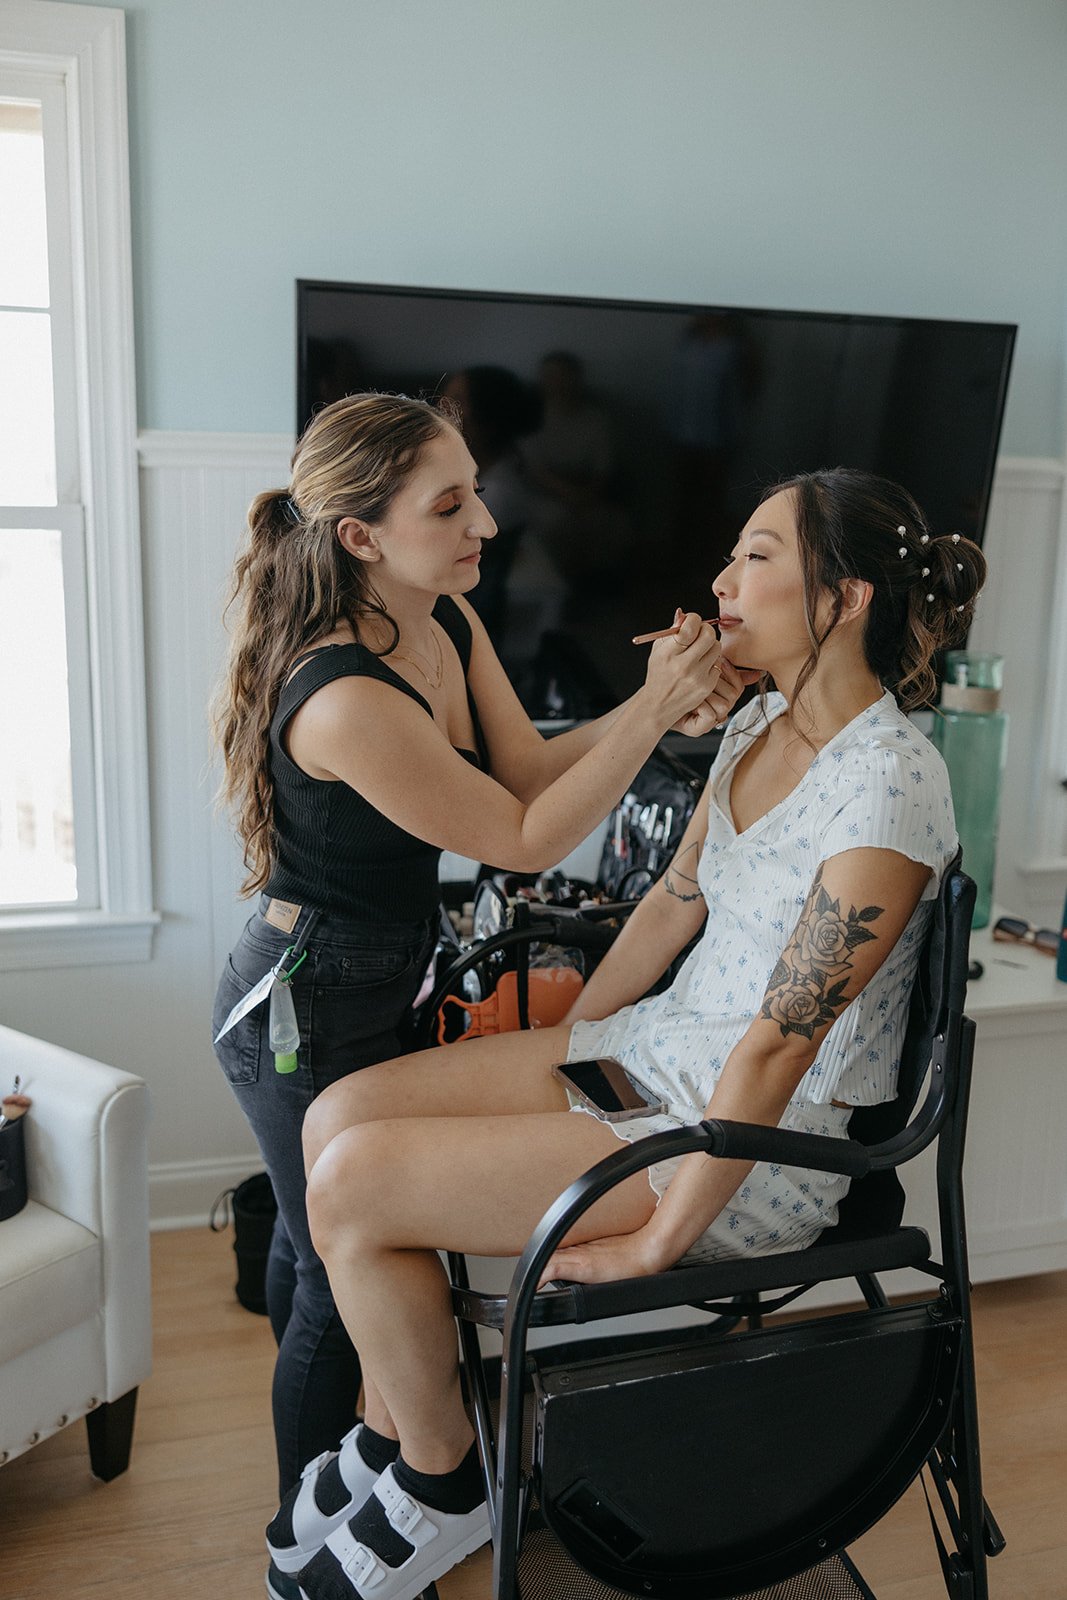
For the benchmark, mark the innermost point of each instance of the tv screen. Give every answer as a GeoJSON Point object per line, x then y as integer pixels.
{"type": "Point", "coordinates": [623, 444]}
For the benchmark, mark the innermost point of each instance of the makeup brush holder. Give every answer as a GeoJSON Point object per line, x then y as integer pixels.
{"type": "Point", "coordinates": [12, 1168]}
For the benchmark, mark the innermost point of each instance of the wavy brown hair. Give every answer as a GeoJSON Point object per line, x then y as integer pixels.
{"type": "Point", "coordinates": [294, 583]}
{"type": "Point", "coordinates": [853, 524]}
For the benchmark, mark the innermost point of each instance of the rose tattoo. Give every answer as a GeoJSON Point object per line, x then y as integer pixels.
{"type": "Point", "coordinates": [807, 986]}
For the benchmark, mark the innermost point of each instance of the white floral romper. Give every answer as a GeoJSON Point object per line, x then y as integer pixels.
{"type": "Point", "coordinates": [878, 783]}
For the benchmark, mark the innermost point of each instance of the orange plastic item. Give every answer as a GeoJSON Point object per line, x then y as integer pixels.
{"type": "Point", "coordinates": [552, 992]}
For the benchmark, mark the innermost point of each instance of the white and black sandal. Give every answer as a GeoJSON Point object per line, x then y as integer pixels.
{"type": "Point", "coordinates": [323, 1500]}
{"type": "Point", "coordinates": [392, 1549]}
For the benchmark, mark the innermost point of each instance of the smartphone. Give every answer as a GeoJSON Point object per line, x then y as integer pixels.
{"type": "Point", "coordinates": [606, 1089]}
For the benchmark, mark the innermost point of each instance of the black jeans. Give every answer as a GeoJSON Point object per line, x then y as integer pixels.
{"type": "Point", "coordinates": [353, 997]}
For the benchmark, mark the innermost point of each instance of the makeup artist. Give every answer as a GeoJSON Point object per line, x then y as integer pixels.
{"type": "Point", "coordinates": [366, 725]}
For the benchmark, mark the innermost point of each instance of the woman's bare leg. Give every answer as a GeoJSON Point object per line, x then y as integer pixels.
{"type": "Point", "coordinates": [505, 1074]}
{"type": "Point", "coordinates": [502, 1075]}
{"type": "Point", "coordinates": [385, 1195]}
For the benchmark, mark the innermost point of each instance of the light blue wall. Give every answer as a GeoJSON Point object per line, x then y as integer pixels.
{"type": "Point", "coordinates": [895, 156]}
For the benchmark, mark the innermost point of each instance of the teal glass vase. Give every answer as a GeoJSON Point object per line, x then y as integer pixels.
{"type": "Point", "coordinates": [971, 732]}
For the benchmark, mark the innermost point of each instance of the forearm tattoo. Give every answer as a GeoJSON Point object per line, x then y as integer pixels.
{"type": "Point", "coordinates": [678, 882]}
{"type": "Point", "coordinates": [807, 987]}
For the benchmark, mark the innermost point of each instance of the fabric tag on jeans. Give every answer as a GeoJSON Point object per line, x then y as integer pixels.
{"type": "Point", "coordinates": [282, 914]}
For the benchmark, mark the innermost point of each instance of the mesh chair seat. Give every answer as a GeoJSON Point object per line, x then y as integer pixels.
{"type": "Point", "coordinates": [546, 1572]}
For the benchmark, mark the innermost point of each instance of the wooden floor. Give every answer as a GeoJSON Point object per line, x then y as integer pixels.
{"type": "Point", "coordinates": [186, 1522]}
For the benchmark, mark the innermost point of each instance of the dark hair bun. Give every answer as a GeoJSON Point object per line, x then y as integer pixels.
{"type": "Point", "coordinates": [957, 573]}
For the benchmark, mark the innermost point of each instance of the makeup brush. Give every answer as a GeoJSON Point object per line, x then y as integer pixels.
{"type": "Point", "coordinates": [667, 633]}
{"type": "Point", "coordinates": [13, 1106]}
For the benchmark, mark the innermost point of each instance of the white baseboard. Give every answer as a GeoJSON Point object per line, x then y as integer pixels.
{"type": "Point", "coordinates": [182, 1193]}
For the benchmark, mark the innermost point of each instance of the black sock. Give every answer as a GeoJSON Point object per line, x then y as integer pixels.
{"type": "Point", "coordinates": [377, 1449]}
{"type": "Point", "coordinates": [458, 1491]}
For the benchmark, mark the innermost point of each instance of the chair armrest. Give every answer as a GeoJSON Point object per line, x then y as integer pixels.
{"type": "Point", "coordinates": [725, 1140]}
{"type": "Point", "coordinates": [753, 1141]}
{"type": "Point", "coordinates": [86, 1126]}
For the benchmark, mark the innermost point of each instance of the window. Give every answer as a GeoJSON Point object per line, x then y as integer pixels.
{"type": "Point", "coordinates": [74, 861]}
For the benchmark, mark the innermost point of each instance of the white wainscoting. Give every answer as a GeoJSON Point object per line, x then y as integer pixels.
{"type": "Point", "coordinates": [195, 492]}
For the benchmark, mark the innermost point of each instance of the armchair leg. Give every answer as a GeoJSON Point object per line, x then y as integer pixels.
{"type": "Point", "coordinates": [110, 1429]}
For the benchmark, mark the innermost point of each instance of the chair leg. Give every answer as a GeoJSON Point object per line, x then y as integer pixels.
{"type": "Point", "coordinates": [110, 1429]}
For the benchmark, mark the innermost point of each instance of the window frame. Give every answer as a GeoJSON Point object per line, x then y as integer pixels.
{"type": "Point", "coordinates": [81, 49]}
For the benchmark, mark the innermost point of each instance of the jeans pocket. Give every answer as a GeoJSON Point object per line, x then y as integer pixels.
{"type": "Point", "coordinates": [237, 1051]}
{"type": "Point", "coordinates": [354, 1019]}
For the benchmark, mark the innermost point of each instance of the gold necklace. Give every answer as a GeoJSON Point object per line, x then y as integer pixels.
{"type": "Point", "coordinates": [416, 660]}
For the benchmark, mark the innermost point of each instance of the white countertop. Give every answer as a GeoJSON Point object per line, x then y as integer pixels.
{"type": "Point", "coordinates": [1016, 978]}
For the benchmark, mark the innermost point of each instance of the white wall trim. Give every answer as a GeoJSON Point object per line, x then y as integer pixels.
{"type": "Point", "coordinates": [1039, 474]}
{"type": "Point", "coordinates": [182, 1193]}
{"type": "Point", "coordinates": [1053, 869]}
{"type": "Point", "coordinates": [30, 941]}
{"type": "Point", "coordinates": [244, 451]}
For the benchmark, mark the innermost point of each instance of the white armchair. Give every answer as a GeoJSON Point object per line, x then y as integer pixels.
{"type": "Point", "coordinates": [75, 1307]}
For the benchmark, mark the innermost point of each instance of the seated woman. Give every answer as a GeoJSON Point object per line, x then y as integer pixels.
{"type": "Point", "coordinates": [815, 855]}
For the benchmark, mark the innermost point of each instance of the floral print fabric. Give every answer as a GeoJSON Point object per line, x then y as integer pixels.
{"type": "Point", "coordinates": [878, 783]}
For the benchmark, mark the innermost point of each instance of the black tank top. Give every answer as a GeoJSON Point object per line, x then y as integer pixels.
{"type": "Point", "coordinates": [333, 849]}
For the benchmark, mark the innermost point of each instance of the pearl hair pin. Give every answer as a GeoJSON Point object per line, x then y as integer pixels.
{"type": "Point", "coordinates": [902, 552]}
{"type": "Point", "coordinates": [926, 572]}
{"type": "Point", "coordinates": [955, 538]}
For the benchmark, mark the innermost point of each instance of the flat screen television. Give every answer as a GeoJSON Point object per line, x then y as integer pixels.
{"type": "Point", "coordinates": [622, 444]}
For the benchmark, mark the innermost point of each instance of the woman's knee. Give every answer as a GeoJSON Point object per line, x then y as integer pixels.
{"type": "Point", "coordinates": [337, 1108]}
{"type": "Point", "coordinates": [342, 1183]}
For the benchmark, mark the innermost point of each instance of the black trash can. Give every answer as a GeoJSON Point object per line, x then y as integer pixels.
{"type": "Point", "coordinates": [254, 1209]}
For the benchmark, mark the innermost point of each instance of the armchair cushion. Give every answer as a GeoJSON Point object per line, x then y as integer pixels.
{"type": "Point", "coordinates": [49, 1277]}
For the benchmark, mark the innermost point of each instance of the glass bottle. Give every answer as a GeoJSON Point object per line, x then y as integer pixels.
{"type": "Point", "coordinates": [971, 732]}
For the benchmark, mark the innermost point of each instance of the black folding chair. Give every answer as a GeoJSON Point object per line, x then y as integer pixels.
{"type": "Point", "coordinates": [707, 1462]}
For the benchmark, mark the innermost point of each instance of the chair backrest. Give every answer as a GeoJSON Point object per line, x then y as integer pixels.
{"type": "Point", "coordinates": [875, 1204]}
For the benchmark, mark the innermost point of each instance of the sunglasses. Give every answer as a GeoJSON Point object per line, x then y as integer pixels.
{"type": "Point", "coordinates": [1013, 930]}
